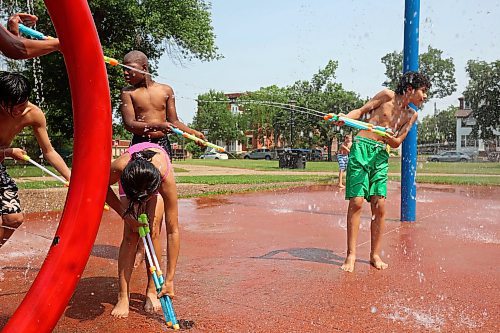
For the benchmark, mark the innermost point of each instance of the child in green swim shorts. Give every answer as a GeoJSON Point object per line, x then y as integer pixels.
{"type": "Point", "coordinates": [368, 159]}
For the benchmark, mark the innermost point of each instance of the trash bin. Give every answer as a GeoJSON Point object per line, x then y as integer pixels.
{"type": "Point", "coordinates": [292, 160]}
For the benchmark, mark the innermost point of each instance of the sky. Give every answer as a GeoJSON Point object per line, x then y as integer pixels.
{"type": "Point", "coordinates": [278, 42]}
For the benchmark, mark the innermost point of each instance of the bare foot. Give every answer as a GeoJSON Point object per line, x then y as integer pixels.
{"type": "Point", "coordinates": [341, 186]}
{"type": "Point", "coordinates": [348, 265]}
{"type": "Point", "coordinates": [376, 262]}
{"type": "Point", "coordinates": [121, 308]}
{"type": "Point", "coordinates": [152, 303]}
{"type": "Point", "coordinates": [139, 256]}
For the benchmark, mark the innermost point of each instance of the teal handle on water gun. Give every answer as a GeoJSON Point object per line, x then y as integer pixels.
{"type": "Point", "coordinates": [380, 130]}
{"type": "Point", "coordinates": [166, 302]}
{"type": "Point", "coordinates": [196, 139]}
{"type": "Point", "coordinates": [32, 32]}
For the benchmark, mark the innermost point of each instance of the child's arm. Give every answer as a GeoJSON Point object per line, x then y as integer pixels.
{"type": "Point", "coordinates": [345, 147]}
{"type": "Point", "coordinates": [112, 199]}
{"type": "Point", "coordinates": [39, 125]}
{"type": "Point", "coordinates": [15, 153]}
{"type": "Point", "coordinates": [114, 175]}
{"type": "Point", "coordinates": [380, 98]}
{"type": "Point", "coordinates": [168, 191]}
{"type": "Point", "coordinates": [395, 142]}
{"type": "Point", "coordinates": [15, 47]}
{"type": "Point", "coordinates": [174, 119]}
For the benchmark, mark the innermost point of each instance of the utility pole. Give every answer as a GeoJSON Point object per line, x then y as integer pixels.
{"type": "Point", "coordinates": [292, 110]}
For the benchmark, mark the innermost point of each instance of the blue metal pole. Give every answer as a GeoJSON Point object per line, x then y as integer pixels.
{"type": "Point", "coordinates": [409, 160]}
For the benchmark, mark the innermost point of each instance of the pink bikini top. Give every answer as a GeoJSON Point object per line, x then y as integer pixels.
{"type": "Point", "coordinates": [145, 145]}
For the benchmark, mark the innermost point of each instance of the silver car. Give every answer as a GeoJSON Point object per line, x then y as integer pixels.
{"type": "Point", "coordinates": [260, 154]}
{"type": "Point", "coordinates": [449, 156]}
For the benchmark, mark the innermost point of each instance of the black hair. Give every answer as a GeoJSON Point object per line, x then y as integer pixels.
{"type": "Point", "coordinates": [15, 89]}
{"type": "Point", "coordinates": [136, 56]}
{"type": "Point", "coordinates": [415, 80]}
{"type": "Point", "coordinates": [140, 179]}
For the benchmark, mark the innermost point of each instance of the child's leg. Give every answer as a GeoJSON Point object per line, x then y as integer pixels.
{"type": "Point", "coordinates": [8, 224]}
{"type": "Point", "coordinates": [155, 208]}
{"type": "Point", "coordinates": [377, 228]}
{"type": "Point", "coordinates": [353, 218]}
{"type": "Point", "coordinates": [125, 267]}
{"type": "Point", "coordinates": [341, 176]}
{"type": "Point", "coordinates": [140, 255]}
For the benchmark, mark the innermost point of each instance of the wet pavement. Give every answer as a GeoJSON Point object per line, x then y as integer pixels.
{"type": "Point", "coordinates": [269, 262]}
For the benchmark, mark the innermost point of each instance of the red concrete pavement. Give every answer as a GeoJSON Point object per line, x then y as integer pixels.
{"type": "Point", "coordinates": [269, 262]}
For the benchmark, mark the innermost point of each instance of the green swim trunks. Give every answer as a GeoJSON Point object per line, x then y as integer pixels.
{"type": "Point", "coordinates": [367, 169]}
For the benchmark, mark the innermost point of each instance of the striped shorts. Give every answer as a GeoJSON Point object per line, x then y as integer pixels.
{"type": "Point", "coordinates": [343, 160]}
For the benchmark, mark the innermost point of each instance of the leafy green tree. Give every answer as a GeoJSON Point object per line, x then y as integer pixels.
{"type": "Point", "coordinates": [180, 28]}
{"type": "Point", "coordinates": [266, 111]}
{"type": "Point", "coordinates": [441, 72]}
{"type": "Point", "coordinates": [324, 95]}
{"type": "Point", "coordinates": [214, 116]}
{"type": "Point", "coordinates": [439, 128]}
{"type": "Point", "coordinates": [194, 149]}
{"type": "Point", "coordinates": [483, 95]}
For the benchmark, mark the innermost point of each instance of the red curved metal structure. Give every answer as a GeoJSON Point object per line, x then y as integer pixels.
{"type": "Point", "coordinates": [51, 291]}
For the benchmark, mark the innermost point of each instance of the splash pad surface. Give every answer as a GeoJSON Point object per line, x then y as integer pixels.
{"type": "Point", "coordinates": [269, 262]}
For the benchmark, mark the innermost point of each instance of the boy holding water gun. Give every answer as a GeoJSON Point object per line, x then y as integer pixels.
{"type": "Point", "coordinates": [148, 107]}
{"type": "Point", "coordinates": [368, 158]}
{"type": "Point", "coordinates": [16, 113]}
{"type": "Point", "coordinates": [14, 46]}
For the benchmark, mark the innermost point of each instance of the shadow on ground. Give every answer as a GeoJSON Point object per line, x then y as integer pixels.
{"type": "Point", "coordinates": [309, 254]}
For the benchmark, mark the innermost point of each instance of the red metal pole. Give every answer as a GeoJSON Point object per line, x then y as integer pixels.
{"type": "Point", "coordinates": [53, 287]}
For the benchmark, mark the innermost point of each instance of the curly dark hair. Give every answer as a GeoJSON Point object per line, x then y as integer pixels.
{"type": "Point", "coordinates": [415, 80]}
{"type": "Point", "coordinates": [15, 89]}
{"type": "Point", "coordinates": [140, 179]}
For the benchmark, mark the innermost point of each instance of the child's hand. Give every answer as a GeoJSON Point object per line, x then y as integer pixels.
{"type": "Point", "coordinates": [199, 135]}
{"type": "Point", "coordinates": [339, 122]}
{"type": "Point", "coordinates": [390, 140]}
{"type": "Point", "coordinates": [26, 19]}
{"type": "Point", "coordinates": [167, 289]}
{"type": "Point", "coordinates": [15, 153]}
{"type": "Point", "coordinates": [132, 223]}
{"type": "Point", "coordinates": [168, 127]}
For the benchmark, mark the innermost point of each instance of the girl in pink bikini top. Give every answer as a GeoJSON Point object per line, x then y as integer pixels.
{"type": "Point", "coordinates": [141, 178]}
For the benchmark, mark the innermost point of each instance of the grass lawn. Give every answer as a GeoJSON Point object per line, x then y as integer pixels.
{"type": "Point", "coordinates": [482, 168]}
{"type": "Point", "coordinates": [483, 174]}
{"type": "Point", "coordinates": [251, 179]}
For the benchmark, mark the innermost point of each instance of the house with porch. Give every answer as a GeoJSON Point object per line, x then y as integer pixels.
{"type": "Point", "coordinates": [465, 142]}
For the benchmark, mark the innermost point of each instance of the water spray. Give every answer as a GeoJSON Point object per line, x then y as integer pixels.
{"type": "Point", "coordinates": [59, 178]}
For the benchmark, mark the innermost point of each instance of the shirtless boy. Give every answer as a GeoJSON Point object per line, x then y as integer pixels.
{"type": "Point", "coordinates": [16, 113]}
{"type": "Point", "coordinates": [368, 160]}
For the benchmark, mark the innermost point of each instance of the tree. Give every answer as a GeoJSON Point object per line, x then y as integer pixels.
{"type": "Point", "coordinates": [441, 72]}
{"type": "Point", "coordinates": [266, 112]}
{"type": "Point", "coordinates": [439, 128]}
{"type": "Point", "coordinates": [180, 28]}
{"type": "Point", "coordinates": [483, 95]}
{"type": "Point", "coordinates": [324, 95]}
{"type": "Point", "coordinates": [214, 116]}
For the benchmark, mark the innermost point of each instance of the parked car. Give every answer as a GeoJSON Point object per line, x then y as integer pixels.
{"type": "Point", "coordinates": [214, 155]}
{"type": "Point", "coordinates": [494, 156]}
{"type": "Point", "coordinates": [316, 154]}
{"type": "Point", "coordinates": [449, 156]}
{"type": "Point", "coordinates": [260, 154]}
